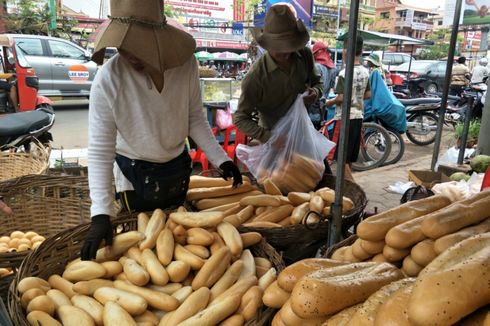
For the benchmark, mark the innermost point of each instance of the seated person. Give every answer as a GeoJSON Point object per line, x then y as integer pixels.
{"type": "Point", "coordinates": [10, 88]}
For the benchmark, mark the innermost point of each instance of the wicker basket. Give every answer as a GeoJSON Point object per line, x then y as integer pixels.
{"type": "Point", "coordinates": [44, 204]}
{"type": "Point", "coordinates": [17, 164]}
{"type": "Point", "coordinates": [301, 241]}
{"type": "Point", "coordinates": [56, 252]}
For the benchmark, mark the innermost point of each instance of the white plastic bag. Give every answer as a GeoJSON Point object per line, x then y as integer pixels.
{"type": "Point", "coordinates": [293, 157]}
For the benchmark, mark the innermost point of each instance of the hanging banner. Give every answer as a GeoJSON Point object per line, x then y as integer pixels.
{"type": "Point", "coordinates": [476, 12]}
{"type": "Point", "coordinates": [303, 10]}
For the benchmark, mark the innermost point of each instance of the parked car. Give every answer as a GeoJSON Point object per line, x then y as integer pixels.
{"type": "Point", "coordinates": [64, 69]}
{"type": "Point", "coordinates": [396, 58]}
{"type": "Point", "coordinates": [433, 70]}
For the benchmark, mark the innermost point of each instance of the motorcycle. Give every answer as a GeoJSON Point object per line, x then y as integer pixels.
{"type": "Point", "coordinates": [21, 128]}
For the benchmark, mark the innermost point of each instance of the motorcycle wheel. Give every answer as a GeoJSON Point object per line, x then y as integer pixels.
{"type": "Point", "coordinates": [397, 147]}
{"type": "Point", "coordinates": [425, 129]}
{"type": "Point", "coordinates": [375, 147]}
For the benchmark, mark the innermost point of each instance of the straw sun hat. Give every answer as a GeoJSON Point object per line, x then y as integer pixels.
{"type": "Point", "coordinates": [140, 28]}
{"type": "Point", "coordinates": [282, 32]}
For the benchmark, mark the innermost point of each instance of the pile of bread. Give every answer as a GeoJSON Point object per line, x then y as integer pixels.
{"type": "Point", "coordinates": [453, 287]}
{"type": "Point", "coordinates": [188, 269]}
{"type": "Point", "coordinates": [415, 233]}
{"type": "Point", "coordinates": [247, 205]}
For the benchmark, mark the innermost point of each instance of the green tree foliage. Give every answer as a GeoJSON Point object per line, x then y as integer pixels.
{"type": "Point", "coordinates": [440, 48]}
{"type": "Point", "coordinates": [32, 17]}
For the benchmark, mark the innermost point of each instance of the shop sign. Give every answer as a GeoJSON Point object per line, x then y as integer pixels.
{"type": "Point", "coordinates": [475, 12]}
{"type": "Point", "coordinates": [78, 74]}
{"type": "Point", "coordinates": [324, 11]}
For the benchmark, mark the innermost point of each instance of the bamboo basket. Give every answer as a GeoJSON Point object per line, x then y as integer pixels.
{"type": "Point", "coordinates": [54, 253]}
{"type": "Point", "coordinates": [44, 204]}
{"type": "Point", "coordinates": [17, 164]}
{"type": "Point", "coordinates": [301, 241]}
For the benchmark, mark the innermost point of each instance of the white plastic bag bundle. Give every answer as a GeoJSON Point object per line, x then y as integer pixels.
{"type": "Point", "coordinates": [293, 157]}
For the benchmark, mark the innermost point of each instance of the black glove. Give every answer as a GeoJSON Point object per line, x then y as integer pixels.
{"type": "Point", "coordinates": [100, 229]}
{"type": "Point", "coordinates": [230, 170]}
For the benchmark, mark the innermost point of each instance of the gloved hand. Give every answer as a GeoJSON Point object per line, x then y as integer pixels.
{"type": "Point", "coordinates": [100, 229]}
{"type": "Point", "coordinates": [230, 170]}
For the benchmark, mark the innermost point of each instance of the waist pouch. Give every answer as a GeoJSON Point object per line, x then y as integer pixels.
{"type": "Point", "coordinates": [158, 182]}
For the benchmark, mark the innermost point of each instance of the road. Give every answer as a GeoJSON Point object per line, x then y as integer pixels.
{"type": "Point", "coordinates": [70, 130]}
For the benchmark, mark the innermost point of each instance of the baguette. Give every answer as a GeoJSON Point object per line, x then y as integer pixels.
{"type": "Point", "coordinates": [405, 235]}
{"type": "Point", "coordinates": [261, 224]}
{"type": "Point", "coordinates": [29, 295]}
{"type": "Point", "coordinates": [153, 229]}
{"type": "Point", "coordinates": [191, 306]}
{"type": "Point", "coordinates": [372, 247]}
{"type": "Point", "coordinates": [42, 303]}
{"type": "Point", "coordinates": [155, 299]}
{"type": "Point", "coordinates": [359, 252]}
{"type": "Point", "coordinates": [250, 238]}
{"type": "Point", "coordinates": [271, 188]}
{"type": "Point", "coordinates": [158, 274]}
{"type": "Point", "coordinates": [182, 293]}
{"type": "Point", "coordinates": [215, 313]}
{"type": "Point", "coordinates": [276, 215]}
{"type": "Point", "coordinates": [356, 282]}
{"type": "Point", "coordinates": [423, 252]}
{"type": "Point", "coordinates": [231, 237]}
{"type": "Point", "coordinates": [251, 301]}
{"type": "Point", "coordinates": [232, 199]}
{"type": "Point", "coordinates": [199, 236]}
{"type": "Point", "coordinates": [218, 243]}
{"type": "Point", "coordinates": [84, 271]}
{"type": "Point", "coordinates": [248, 264]}
{"type": "Point", "coordinates": [298, 198]}
{"type": "Point", "coordinates": [165, 246]}
{"type": "Point", "coordinates": [288, 278]}
{"type": "Point", "coordinates": [374, 228]}
{"type": "Point", "coordinates": [199, 251]}
{"type": "Point", "coordinates": [410, 267]}
{"type": "Point", "coordinates": [112, 268]}
{"type": "Point", "coordinates": [180, 234]}
{"type": "Point", "coordinates": [317, 204]}
{"type": "Point", "coordinates": [197, 181]}
{"type": "Point", "coordinates": [182, 254]}
{"type": "Point", "coordinates": [457, 216]}
{"type": "Point", "coordinates": [89, 287]}
{"type": "Point", "coordinates": [449, 240]}
{"type": "Point", "coordinates": [393, 255]}
{"type": "Point", "coordinates": [135, 254]}
{"type": "Point", "coordinates": [458, 253]}
{"type": "Point", "coordinates": [227, 280]}
{"type": "Point", "coordinates": [213, 269]}
{"type": "Point", "coordinates": [260, 200]}
{"type": "Point", "coordinates": [213, 192]}
{"type": "Point", "coordinates": [299, 213]}
{"type": "Point", "coordinates": [90, 306]}
{"type": "Point", "coordinates": [59, 283]}
{"type": "Point", "coordinates": [135, 273]}
{"type": "Point", "coordinates": [115, 314]}
{"type": "Point", "coordinates": [245, 214]}
{"type": "Point", "coordinates": [239, 288]}
{"type": "Point", "coordinates": [274, 296]}
{"type": "Point", "coordinates": [37, 317]}
{"type": "Point", "coordinates": [269, 276]}
{"type": "Point", "coordinates": [328, 196]}
{"type": "Point", "coordinates": [74, 316]}
{"type": "Point", "coordinates": [232, 210]}
{"type": "Point", "coordinates": [463, 284]}
{"type": "Point", "coordinates": [198, 219]}
{"type": "Point", "coordinates": [379, 258]}
{"type": "Point", "coordinates": [134, 304]}
{"type": "Point", "coordinates": [178, 271]}
{"type": "Point", "coordinates": [222, 208]}
{"type": "Point", "coordinates": [394, 312]}
{"type": "Point", "coordinates": [366, 314]}
{"type": "Point", "coordinates": [143, 220]}
{"type": "Point", "coordinates": [58, 298]}
{"type": "Point", "coordinates": [235, 320]}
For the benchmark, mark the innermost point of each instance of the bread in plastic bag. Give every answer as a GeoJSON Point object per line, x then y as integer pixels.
{"type": "Point", "coordinates": [293, 157]}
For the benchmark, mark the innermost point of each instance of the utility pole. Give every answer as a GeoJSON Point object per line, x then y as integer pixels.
{"type": "Point", "coordinates": [484, 137]}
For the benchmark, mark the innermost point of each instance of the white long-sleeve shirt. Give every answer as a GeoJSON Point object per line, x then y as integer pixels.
{"type": "Point", "coordinates": [127, 115]}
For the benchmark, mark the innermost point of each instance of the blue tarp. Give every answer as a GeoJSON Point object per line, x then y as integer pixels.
{"type": "Point", "coordinates": [384, 106]}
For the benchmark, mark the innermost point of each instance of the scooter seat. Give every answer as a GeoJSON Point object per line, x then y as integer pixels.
{"type": "Point", "coordinates": [23, 122]}
{"type": "Point", "coordinates": [420, 101]}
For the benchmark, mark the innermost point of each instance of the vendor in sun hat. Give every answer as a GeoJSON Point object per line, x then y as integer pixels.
{"type": "Point", "coordinates": [144, 102]}
{"type": "Point", "coordinates": [275, 79]}
{"type": "Point", "coordinates": [373, 62]}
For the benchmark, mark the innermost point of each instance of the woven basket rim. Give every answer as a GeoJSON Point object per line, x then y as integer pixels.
{"type": "Point", "coordinates": [34, 162]}
{"type": "Point", "coordinates": [62, 240]}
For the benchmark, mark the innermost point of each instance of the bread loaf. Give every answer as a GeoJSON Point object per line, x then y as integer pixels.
{"type": "Point", "coordinates": [291, 319]}
{"type": "Point", "coordinates": [359, 252]}
{"type": "Point", "coordinates": [449, 240]}
{"type": "Point", "coordinates": [274, 296]}
{"type": "Point", "coordinates": [374, 228]}
{"type": "Point", "coordinates": [290, 275]}
{"type": "Point", "coordinates": [423, 252]}
{"type": "Point", "coordinates": [327, 291]}
{"type": "Point", "coordinates": [410, 267]}
{"type": "Point", "coordinates": [394, 311]}
{"type": "Point", "coordinates": [392, 254]}
{"type": "Point", "coordinates": [457, 216]}
{"type": "Point", "coordinates": [366, 314]}
{"type": "Point", "coordinates": [343, 317]}
{"type": "Point", "coordinates": [405, 235]}
{"type": "Point", "coordinates": [372, 247]}
{"type": "Point", "coordinates": [462, 285]}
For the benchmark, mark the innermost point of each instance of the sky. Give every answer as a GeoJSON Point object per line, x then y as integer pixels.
{"type": "Point", "coordinates": [91, 7]}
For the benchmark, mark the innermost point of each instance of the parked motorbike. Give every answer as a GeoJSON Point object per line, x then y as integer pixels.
{"type": "Point", "coordinates": [21, 128]}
